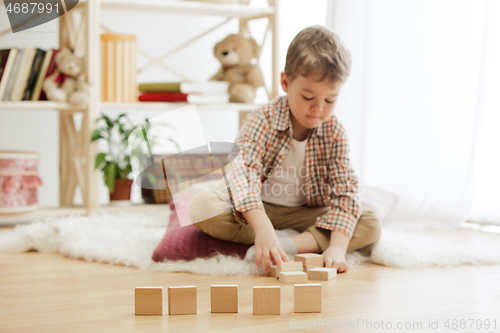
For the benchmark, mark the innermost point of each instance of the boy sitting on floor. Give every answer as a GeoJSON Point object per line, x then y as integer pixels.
{"type": "Point", "coordinates": [295, 170]}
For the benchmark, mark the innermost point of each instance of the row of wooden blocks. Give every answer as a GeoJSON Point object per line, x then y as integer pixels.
{"type": "Point", "coordinates": [224, 299]}
{"type": "Point", "coordinates": [305, 266]}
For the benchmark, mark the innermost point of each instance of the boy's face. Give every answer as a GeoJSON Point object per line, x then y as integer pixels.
{"type": "Point", "coordinates": [311, 102]}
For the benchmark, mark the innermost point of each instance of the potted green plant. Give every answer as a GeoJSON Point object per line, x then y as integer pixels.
{"type": "Point", "coordinates": [142, 152]}
{"type": "Point", "coordinates": [115, 161]}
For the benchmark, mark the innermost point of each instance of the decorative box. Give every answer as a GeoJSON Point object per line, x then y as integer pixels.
{"type": "Point", "coordinates": [118, 68]}
{"type": "Point", "coordinates": [19, 181]}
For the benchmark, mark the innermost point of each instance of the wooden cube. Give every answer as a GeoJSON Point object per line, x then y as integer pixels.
{"type": "Point", "coordinates": [148, 301]}
{"type": "Point", "coordinates": [290, 266]}
{"type": "Point", "coordinates": [274, 271]}
{"type": "Point", "coordinates": [307, 298]}
{"type": "Point", "coordinates": [293, 277]}
{"type": "Point", "coordinates": [309, 259]}
{"type": "Point", "coordinates": [224, 299]}
{"type": "Point", "coordinates": [322, 273]}
{"type": "Point", "coordinates": [267, 300]}
{"type": "Point", "coordinates": [286, 266]}
{"type": "Point", "coordinates": [182, 300]}
{"type": "Point", "coordinates": [307, 268]}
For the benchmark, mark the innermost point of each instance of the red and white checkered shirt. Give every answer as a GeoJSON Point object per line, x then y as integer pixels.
{"type": "Point", "coordinates": [264, 142]}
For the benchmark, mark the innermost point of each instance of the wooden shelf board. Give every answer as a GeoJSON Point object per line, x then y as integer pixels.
{"type": "Point", "coordinates": [46, 212]}
{"type": "Point", "coordinates": [188, 7]}
{"type": "Point", "coordinates": [66, 107]}
{"type": "Point", "coordinates": [40, 105]}
{"type": "Point", "coordinates": [165, 105]}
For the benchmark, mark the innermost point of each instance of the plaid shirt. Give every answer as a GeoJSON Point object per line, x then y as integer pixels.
{"type": "Point", "coordinates": [264, 141]}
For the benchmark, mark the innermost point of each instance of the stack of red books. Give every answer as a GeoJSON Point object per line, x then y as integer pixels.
{"type": "Point", "coordinates": [210, 92]}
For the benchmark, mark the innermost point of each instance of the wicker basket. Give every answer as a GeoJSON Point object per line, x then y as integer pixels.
{"type": "Point", "coordinates": [190, 169]}
{"type": "Point", "coordinates": [158, 196]}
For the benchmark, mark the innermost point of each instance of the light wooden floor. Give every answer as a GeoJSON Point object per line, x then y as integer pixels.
{"type": "Point", "coordinates": [49, 293]}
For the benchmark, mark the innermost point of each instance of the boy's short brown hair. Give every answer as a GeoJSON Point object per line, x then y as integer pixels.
{"type": "Point", "coordinates": [320, 52]}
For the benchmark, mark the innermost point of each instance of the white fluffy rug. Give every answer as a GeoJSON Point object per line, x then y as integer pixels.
{"type": "Point", "coordinates": [130, 239]}
{"type": "Point", "coordinates": [427, 248]}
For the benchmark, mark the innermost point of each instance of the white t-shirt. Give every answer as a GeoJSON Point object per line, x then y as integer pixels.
{"type": "Point", "coordinates": [285, 186]}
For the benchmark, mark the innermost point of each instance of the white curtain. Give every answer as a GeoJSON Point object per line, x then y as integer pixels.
{"type": "Point", "coordinates": [422, 79]}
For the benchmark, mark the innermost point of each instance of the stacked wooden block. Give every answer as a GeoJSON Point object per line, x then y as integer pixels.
{"type": "Point", "coordinates": [182, 300]}
{"type": "Point", "coordinates": [305, 266]}
{"type": "Point", "coordinates": [309, 260]}
{"type": "Point", "coordinates": [291, 272]}
{"type": "Point", "coordinates": [322, 273]}
{"type": "Point", "coordinates": [313, 266]}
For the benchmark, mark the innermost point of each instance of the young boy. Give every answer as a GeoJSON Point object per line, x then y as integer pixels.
{"type": "Point", "coordinates": [294, 171]}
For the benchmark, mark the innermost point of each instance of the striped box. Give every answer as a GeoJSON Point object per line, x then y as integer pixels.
{"type": "Point", "coordinates": [19, 182]}
{"type": "Point", "coordinates": [119, 68]}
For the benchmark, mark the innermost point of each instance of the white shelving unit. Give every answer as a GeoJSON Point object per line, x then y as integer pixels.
{"type": "Point", "coordinates": [76, 152]}
{"type": "Point", "coordinates": [242, 10]}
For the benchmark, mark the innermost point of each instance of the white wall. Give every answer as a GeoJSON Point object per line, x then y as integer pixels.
{"type": "Point", "coordinates": [157, 33]}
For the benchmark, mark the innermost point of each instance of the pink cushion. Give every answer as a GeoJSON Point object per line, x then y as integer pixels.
{"type": "Point", "coordinates": [188, 243]}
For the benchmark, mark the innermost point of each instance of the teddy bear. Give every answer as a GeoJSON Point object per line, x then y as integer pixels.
{"type": "Point", "coordinates": [67, 83]}
{"type": "Point", "coordinates": [235, 53]}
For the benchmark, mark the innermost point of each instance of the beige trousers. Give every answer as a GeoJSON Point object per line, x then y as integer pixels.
{"type": "Point", "coordinates": [224, 226]}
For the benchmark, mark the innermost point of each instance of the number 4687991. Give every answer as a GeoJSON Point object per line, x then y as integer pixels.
{"type": "Point", "coordinates": [471, 324]}
{"type": "Point", "coordinates": [32, 7]}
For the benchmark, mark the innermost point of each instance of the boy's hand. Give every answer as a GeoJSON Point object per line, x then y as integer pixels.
{"type": "Point", "coordinates": [268, 247]}
{"type": "Point", "coordinates": [266, 241]}
{"type": "Point", "coordinates": [335, 257]}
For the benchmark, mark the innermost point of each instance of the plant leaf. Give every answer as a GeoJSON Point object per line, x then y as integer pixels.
{"type": "Point", "coordinates": [99, 159]}
{"type": "Point", "coordinates": [127, 133]}
{"type": "Point", "coordinates": [108, 121]}
{"type": "Point", "coordinates": [110, 176]}
{"type": "Point", "coordinates": [97, 120]}
{"type": "Point", "coordinates": [120, 128]}
{"type": "Point", "coordinates": [127, 170]}
{"type": "Point", "coordinates": [96, 134]}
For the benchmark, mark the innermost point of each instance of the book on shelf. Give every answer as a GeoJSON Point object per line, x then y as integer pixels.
{"type": "Point", "coordinates": [4, 54]}
{"type": "Point", "coordinates": [35, 70]}
{"type": "Point", "coordinates": [12, 77]}
{"type": "Point", "coordinates": [47, 58]}
{"type": "Point", "coordinates": [194, 98]}
{"type": "Point", "coordinates": [7, 59]}
{"type": "Point", "coordinates": [186, 87]}
{"type": "Point", "coordinates": [22, 74]}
